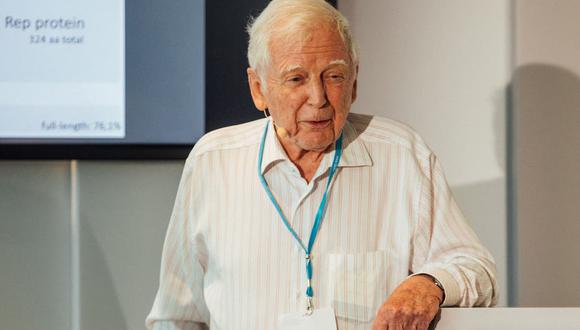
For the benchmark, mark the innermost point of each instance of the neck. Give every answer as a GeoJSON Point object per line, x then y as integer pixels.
{"type": "Point", "coordinates": [307, 161]}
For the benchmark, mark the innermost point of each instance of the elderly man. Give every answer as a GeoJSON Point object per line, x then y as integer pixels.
{"type": "Point", "coordinates": [314, 218]}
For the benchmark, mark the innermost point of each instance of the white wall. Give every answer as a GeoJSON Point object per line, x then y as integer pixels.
{"type": "Point", "coordinates": [443, 68]}
{"type": "Point", "coordinates": [547, 117]}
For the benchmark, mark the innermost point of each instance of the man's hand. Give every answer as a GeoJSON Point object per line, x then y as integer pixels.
{"type": "Point", "coordinates": [412, 305]}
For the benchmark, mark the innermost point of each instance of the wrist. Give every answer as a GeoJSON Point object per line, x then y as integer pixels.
{"type": "Point", "coordinates": [436, 283]}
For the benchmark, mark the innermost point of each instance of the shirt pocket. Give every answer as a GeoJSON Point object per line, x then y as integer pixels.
{"type": "Point", "coordinates": [358, 284]}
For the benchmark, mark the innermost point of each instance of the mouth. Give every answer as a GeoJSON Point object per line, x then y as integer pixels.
{"type": "Point", "coordinates": [317, 124]}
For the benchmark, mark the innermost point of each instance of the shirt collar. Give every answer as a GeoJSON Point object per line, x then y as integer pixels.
{"type": "Point", "coordinates": [273, 150]}
{"type": "Point", "coordinates": [354, 152]}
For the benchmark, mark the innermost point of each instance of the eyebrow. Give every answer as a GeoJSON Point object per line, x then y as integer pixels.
{"type": "Point", "coordinates": [293, 67]}
{"type": "Point", "coordinates": [290, 68]}
{"type": "Point", "coordinates": [336, 62]}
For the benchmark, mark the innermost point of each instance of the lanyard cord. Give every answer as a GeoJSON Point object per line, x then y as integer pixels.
{"type": "Point", "coordinates": [319, 213]}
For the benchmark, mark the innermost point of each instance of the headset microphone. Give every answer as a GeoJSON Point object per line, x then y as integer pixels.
{"type": "Point", "coordinates": [281, 131]}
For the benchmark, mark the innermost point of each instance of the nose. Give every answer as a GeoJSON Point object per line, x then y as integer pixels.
{"type": "Point", "coordinates": [317, 94]}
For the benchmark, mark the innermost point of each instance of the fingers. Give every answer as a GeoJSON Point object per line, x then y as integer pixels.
{"type": "Point", "coordinates": [406, 314]}
{"type": "Point", "coordinates": [421, 324]}
{"type": "Point", "coordinates": [415, 325]}
{"type": "Point", "coordinates": [412, 305]}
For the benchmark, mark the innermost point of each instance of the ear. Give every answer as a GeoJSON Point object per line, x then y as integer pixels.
{"type": "Point", "coordinates": [256, 89]}
{"type": "Point", "coordinates": [354, 85]}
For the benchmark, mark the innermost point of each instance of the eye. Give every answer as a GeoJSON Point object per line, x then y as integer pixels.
{"type": "Point", "coordinates": [335, 77]}
{"type": "Point", "coordinates": [294, 80]}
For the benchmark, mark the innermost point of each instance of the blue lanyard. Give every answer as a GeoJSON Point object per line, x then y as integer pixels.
{"type": "Point", "coordinates": [317, 219]}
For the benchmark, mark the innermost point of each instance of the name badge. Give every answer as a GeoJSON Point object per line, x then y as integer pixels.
{"type": "Point", "coordinates": [321, 319]}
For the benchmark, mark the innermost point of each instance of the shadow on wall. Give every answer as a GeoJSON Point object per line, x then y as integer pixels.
{"type": "Point", "coordinates": [100, 306]}
{"type": "Point", "coordinates": [484, 202]}
{"type": "Point", "coordinates": [547, 118]}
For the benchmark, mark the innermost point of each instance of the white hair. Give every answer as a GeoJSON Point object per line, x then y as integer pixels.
{"type": "Point", "coordinates": [287, 19]}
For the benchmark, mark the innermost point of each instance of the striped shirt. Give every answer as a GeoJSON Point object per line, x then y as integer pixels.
{"type": "Point", "coordinates": [229, 262]}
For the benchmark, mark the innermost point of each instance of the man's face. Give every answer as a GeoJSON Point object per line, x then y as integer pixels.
{"type": "Point", "coordinates": [310, 86]}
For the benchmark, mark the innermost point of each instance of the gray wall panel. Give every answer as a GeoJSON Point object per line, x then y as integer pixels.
{"type": "Point", "coordinates": [34, 248]}
{"type": "Point", "coordinates": [124, 210]}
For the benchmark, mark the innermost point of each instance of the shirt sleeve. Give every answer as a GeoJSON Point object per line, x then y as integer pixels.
{"type": "Point", "coordinates": [445, 247]}
{"type": "Point", "coordinates": [179, 303]}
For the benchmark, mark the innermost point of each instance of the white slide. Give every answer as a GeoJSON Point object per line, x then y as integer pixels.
{"type": "Point", "coordinates": [62, 69]}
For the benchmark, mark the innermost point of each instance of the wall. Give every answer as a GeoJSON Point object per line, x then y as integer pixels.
{"type": "Point", "coordinates": [443, 67]}
{"type": "Point", "coordinates": [547, 118]}
{"type": "Point", "coordinates": [91, 267]}
{"type": "Point", "coordinates": [34, 245]}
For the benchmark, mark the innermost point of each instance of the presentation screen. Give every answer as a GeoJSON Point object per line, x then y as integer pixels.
{"type": "Point", "coordinates": [101, 73]}
{"type": "Point", "coordinates": [63, 70]}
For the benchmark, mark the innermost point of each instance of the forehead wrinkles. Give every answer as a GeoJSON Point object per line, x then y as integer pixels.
{"type": "Point", "coordinates": [290, 53]}
{"type": "Point", "coordinates": [317, 42]}
{"type": "Point", "coordinates": [314, 36]}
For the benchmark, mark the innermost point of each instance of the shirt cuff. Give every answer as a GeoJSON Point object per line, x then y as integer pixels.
{"type": "Point", "coordinates": [449, 284]}
{"type": "Point", "coordinates": [176, 325]}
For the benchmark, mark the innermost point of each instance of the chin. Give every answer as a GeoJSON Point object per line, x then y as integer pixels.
{"type": "Point", "coordinates": [316, 140]}
{"type": "Point", "coordinates": [317, 145]}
